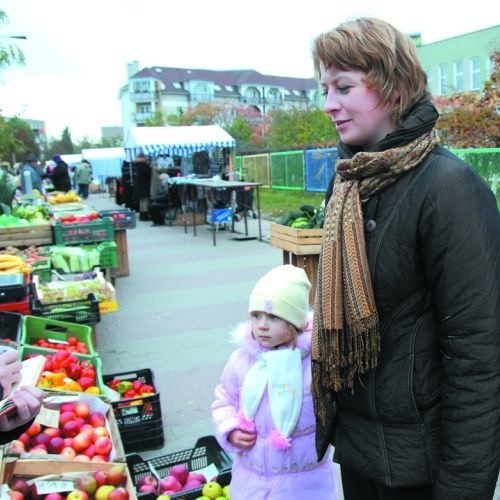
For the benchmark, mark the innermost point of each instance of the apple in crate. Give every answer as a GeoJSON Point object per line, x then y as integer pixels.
{"type": "Point", "coordinates": [180, 472]}
{"type": "Point", "coordinates": [117, 475]}
{"type": "Point", "coordinates": [170, 484]}
{"type": "Point", "coordinates": [147, 484]}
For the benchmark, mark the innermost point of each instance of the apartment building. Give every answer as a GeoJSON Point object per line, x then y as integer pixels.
{"type": "Point", "coordinates": [461, 63]}
{"type": "Point", "coordinates": [173, 90]}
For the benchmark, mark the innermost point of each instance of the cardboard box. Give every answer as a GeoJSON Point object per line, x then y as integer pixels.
{"type": "Point", "coordinates": [198, 217]}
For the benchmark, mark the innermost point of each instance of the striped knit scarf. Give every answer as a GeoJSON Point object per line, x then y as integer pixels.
{"type": "Point", "coordinates": [346, 339]}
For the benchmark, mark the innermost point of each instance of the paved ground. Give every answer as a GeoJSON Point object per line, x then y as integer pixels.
{"type": "Point", "coordinates": [176, 311]}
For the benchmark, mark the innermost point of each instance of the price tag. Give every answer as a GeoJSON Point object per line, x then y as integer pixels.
{"type": "Point", "coordinates": [48, 417]}
{"type": "Point", "coordinates": [55, 341]}
{"type": "Point", "coordinates": [46, 487]}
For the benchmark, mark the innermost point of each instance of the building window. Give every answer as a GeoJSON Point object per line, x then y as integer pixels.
{"type": "Point", "coordinates": [475, 74]}
{"type": "Point", "coordinates": [141, 86]}
{"type": "Point", "coordinates": [443, 80]}
{"type": "Point", "coordinates": [459, 76]}
{"type": "Point", "coordinates": [429, 78]}
{"type": "Point", "coordinates": [144, 108]}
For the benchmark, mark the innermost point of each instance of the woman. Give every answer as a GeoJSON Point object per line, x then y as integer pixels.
{"type": "Point", "coordinates": [60, 175]}
{"type": "Point", "coordinates": [406, 343]}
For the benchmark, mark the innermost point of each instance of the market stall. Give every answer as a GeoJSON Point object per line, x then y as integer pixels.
{"type": "Point", "coordinates": [179, 141]}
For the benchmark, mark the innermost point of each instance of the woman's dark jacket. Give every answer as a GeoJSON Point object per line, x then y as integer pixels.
{"type": "Point", "coordinates": [142, 179]}
{"type": "Point", "coordinates": [60, 177]}
{"type": "Point", "coordinates": [430, 412]}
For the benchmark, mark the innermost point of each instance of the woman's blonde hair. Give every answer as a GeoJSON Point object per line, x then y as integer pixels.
{"type": "Point", "coordinates": [386, 55]}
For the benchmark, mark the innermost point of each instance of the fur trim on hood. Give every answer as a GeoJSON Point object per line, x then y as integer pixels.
{"type": "Point", "coordinates": [242, 335]}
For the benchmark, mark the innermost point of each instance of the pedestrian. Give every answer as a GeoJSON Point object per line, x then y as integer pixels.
{"type": "Point", "coordinates": [31, 166]}
{"type": "Point", "coordinates": [262, 410]}
{"type": "Point", "coordinates": [406, 340]}
{"type": "Point", "coordinates": [27, 399]}
{"type": "Point", "coordinates": [60, 175]}
{"type": "Point", "coordinates": [83, 176]}
{"type": "Point", "coordinates": [142, 185]}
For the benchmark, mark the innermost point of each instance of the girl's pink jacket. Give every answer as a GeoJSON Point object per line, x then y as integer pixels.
{"type": "Point", "coordinates": [264, 472]}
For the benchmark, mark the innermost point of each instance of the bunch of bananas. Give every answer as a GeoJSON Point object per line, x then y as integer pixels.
{"type": "Point", "coordinates": [59, 197]}
{"type": "Point", "coordinates": [10, 264]}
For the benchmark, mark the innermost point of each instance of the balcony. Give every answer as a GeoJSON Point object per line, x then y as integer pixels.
{"type": "Point", "coordinates": [140, 117]}
{"type": "Point", "coordinates": [142, 96]}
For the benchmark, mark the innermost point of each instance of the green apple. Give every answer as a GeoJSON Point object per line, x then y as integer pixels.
{"type": "Point", "coordinates": [103, 491]}
{"type": "Point", "coordinates": [212, 490]}
{"type": "Point", "coordinates": [225, 491]}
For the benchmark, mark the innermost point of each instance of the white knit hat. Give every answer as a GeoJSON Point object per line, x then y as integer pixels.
{"type": "Point", "coordinates": [283, 292]}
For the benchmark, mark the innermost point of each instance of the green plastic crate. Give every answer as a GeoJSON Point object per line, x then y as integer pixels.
{"type": "Point", "coordinates": [84, 232]}
{"type": "Point", "coordinates": [42, 268]}
{"type": "Point", "coordinates": [26, 351]}
{"type": "Point", "coordinates": [36, 328]}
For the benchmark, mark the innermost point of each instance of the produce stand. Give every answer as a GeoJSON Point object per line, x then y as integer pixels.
{"type": "Point", "coordinates": [31, 234]}
{"type": "Point", "coordinates": [301, 248]}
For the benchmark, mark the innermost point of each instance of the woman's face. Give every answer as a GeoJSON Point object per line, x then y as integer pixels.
{"type": "Point", "coordinates": [356, 111]}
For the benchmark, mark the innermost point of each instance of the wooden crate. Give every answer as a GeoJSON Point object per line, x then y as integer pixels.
{"type": "Point", "coordinates": [122, 250]}
{"type": "Point", "coordinates": [199, 219]}
{"type": "Point", "coordinates": [297, 241]}
{"type": "Point", "coordinates": [59, 469]}
{"type": "Point", "coordinates": [301, 248]}
{"type": "Point", "coordinates": [40, 234]}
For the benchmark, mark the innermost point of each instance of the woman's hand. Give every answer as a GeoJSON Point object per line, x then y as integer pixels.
{"type": "Point", "coordinates": [242, 439]}
{"type": "Point", "coordinates": [28, 401]}
{"type": "Point", "coordinates": [10, 370]}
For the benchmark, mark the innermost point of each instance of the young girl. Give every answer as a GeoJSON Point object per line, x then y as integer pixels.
{"type": "Point", "coordinates": [263, 411]}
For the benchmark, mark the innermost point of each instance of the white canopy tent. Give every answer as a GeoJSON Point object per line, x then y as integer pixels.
{"type": "Point", "coordinates": [106, 162]}
{"type": "Point", "coordinates": [175, 140]}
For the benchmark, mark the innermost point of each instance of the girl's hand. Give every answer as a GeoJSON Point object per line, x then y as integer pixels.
{"type": "Point", "coordinates": [10, 370]}
{"type": "Point", "coordinates": [28, 401]}
{"type": "Point", "coordinates": [242, 439]}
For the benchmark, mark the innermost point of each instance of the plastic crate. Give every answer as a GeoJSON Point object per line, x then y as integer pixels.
{"type": "Point", "coordinates": [84, 232]}
{"type": "Point", "coordinates": [11, 326]}
{"type": "Point", "coordinates": [142, 437]}
{"type": "Point", "coordinates": [81, 311]}
{"type": "Point", "coordinates": [22, 306]}
{"type": "Point", "coordinates": [42, 268]}
{"type": "Point", "coordinates": [123, 218]}
{"type": "Point", "coordinates": [27, 350]}
{"type": "Point", "coordinates": [36, 328]}
{"type": "Point", "coordinates": [139, 410]}
{"type": "Point", "coordinates": [206, 451]}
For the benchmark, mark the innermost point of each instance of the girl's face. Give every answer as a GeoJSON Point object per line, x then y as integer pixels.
{"type": "Point", "coordinates": [270, 331]}
{"type": "Point", "coordinates": [356, 111]}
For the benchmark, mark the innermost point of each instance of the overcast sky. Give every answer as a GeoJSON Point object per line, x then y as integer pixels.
{"type": "Point", "coordinates": [77, 50]}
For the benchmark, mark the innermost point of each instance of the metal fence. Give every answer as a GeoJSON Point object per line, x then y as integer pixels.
{"type": "Point", "coordinates": [311, 170]}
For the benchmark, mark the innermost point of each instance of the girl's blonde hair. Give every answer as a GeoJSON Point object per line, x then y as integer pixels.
{"type": "Point", "coordinates": [387, 56]}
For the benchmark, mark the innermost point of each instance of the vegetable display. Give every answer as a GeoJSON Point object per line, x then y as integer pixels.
{"type": "Point", "coordinates": [306, 217]}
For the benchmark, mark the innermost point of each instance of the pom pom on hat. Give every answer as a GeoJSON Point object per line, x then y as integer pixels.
{"type": "Point", "coordinates": [283, 292]}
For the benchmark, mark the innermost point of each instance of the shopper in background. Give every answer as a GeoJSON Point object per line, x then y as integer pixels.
{"type": "Point", "coordinates": [60, 175]}
{"type": "Point", "coordinates": [31, 166]}
{"type": "Point", "coordinates": [142, 184]}
{"type": "Point", "coordinates": [27, 399]}
{"type": "Point", "coordinates": [83, 176]}
{"type": "Point", "coordinates": [406, 340]}
{"type": "Point", "coordinates": [263, 411]}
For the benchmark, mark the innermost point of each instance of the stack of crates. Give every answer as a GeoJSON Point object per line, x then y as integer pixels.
{"type": "Point", "coordinates": [139, 419]}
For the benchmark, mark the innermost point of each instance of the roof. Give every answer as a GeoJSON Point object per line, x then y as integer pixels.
{"type": "Point", "coordinates": [224, 79]}
{"type": "Point", "coordinates": [95, 153]}
{"type": "Point", "coordinates": [175, 140]}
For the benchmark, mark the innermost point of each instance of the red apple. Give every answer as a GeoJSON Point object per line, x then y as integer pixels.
{"type": "Point", "coordinates": [119, 493]}
{"type": "Point", "coordinates": [190, 484]}
{"type": "Point", "coordinates": [65, 417]}
{"type": "Point", "coordinates": [99, 458]}
{"type": "Point", "coordinates": [39, 449]}
{"type": "Point", "coordinates": [20, 485]}
{"type": "Point", "coordinates": [117, 475]}
{"type": "Point", "coordinates": [98, 432]}
{"type": "Point", "coordinates": [41, 439]}
{"type": "Point", "coordinates": [52, 432]}
{"type": "Point", "coordinates": [197, 476]}
{"type": "Point", "coordinates": [97, 419]}
{"type": "Point", "coordinates": [169, 483]}
{"type": "Point", "coordinates": [17, 446]}
{"type": "Point", "coordinates": [103, 446]}
{"type": "Point", "coordinates": [34, 429]}
{"type": "Point", "coordinates": [70, 429]}
{"type": "Point", "coordinates": [81, 458]}
{"type": "Point", "coordinates": [25, 439]}
{"type": "Point", "coordinates": [68, 453]}
{"type": "Point", "coordinates": [54, 496]}
{"type": "Point", "coordinates": [180, 472]}
{"type": "Point", "coordinates": [87, 483]}
{"type": "Point", "coordinates": [56, 445]}
{"type": "Point", "coordinates": [90, 451]}
{"type": "Point", "coordinates": [82, 409]}
{"type": "Point", "coordinates": [16, 495]}
{"type": "Point", "coordinates": [147, 480]}
{"type": "Point", "coordinates": [81, 441]}
{"type": "Point", "coordinates": [147, 488]}
{"type": "Point", "coordinates": [101, 477]}
{"type": "Point", "coordinates": [104, 491]}
{"type": "Point", "coordinates": [67, 407]}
